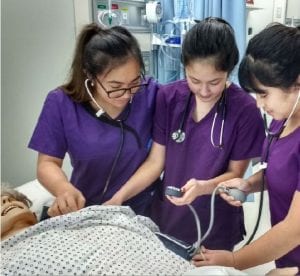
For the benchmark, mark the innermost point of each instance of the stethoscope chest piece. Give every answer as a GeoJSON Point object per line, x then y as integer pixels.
{"type": "Point", "coordinates": [178, 136]}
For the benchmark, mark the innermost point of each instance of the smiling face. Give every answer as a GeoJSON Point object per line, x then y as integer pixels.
{"type": "Point", "coordinates": [205, 81]}
{"type": "Point", "coordinates": [276, 102]}
{"type": "Point", "coordinates": [126, 75]}
{"type": "Point", "coordinates": [15, 215]}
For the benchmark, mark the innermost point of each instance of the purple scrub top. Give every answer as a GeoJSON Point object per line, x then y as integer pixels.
{"type": "Point", "coordinates": [283, 180]}
{"type": "Point", "coordinates": [65, 126]}
{"type": "Point", "coordinates": [197, 158]}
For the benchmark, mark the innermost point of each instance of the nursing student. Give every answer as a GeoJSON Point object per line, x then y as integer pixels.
{"type": "Point", "coordinates": [271, 69]}
{"type": "Point", "coordinates": [206, 131]}
{"type": "Point", "coordinates": [102, 118]}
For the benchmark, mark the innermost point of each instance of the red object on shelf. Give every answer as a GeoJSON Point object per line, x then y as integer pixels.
{"type": "Point", "coordinates": [250, 2]}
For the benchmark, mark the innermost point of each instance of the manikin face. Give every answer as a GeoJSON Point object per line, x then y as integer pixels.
{"type": "Point", "coordinates": [125, 76]}
{"type": "Point", "coordinates": [205, 81]}
{"type": "Point", "coordinates": [277, 102]}
{"type": "Point", "coordinates": [14, 214]}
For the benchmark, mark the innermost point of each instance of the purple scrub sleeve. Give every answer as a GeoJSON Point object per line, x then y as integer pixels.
{"type": "Point", "coordinates": [283, 180]}
{"type": "Point", "coordinates": [65, 126]}
{"type": "Point", "coordinates": [197, 158]}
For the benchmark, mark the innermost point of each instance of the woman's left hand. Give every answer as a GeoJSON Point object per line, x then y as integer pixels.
{"type": "Point", "coordinates": [191, 190]}
{"type": "Point", "coordinates": [113, 201]}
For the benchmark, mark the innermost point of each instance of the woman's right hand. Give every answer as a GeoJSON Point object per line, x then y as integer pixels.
{"type": "Point", "coordinates": [67, 202]}
{"type": "Point", "coordinates": [238, 183]}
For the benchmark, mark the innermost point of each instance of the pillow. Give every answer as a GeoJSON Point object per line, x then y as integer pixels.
{"type": "Point", "coordinates": [37, 194]}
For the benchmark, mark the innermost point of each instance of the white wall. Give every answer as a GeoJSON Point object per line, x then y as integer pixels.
{"type": "Point", "coordinates": [258, 18]}
{"type": "Point", "coordinates": [38, 38]}
{"type": "Point", "coordinates": [293, 9]}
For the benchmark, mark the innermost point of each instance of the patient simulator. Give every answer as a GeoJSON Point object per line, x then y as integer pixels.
{"type": "Point", "coordinates": [98, 240]}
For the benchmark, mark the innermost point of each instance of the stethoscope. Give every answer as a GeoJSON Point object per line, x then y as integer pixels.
{"type": "Point", "coordinates": [120, 122]}
{"type": "Point", "coordinates": [264, 162]}
{"type": "Point", "coordinates": [179, 135]}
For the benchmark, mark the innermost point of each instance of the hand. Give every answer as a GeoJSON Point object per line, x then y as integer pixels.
{"type": "Point", "coordinates": [67, 202]}
{"type": "Point", "coordinates": [192, 189]}
{"type": "Point", "coordinates": [113, 201]}
{"type": "Point", "coordinates": [213, 257]}
{"type": "Point", "coordinates": [238, 183]}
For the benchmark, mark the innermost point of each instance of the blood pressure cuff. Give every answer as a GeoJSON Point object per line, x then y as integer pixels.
{"type": "Point", "coordinates": [44, 214]}
{"type": "Point", "coordinates": [179, 247]}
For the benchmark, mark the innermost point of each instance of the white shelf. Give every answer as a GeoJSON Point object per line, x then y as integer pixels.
{"type": "Point", "coordinates": [252, 7]}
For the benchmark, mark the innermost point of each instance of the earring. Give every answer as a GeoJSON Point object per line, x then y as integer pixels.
{"type": "Point", "coordinates": [92, 84]}
{"type": "Point", "coordinates": [131, 97]}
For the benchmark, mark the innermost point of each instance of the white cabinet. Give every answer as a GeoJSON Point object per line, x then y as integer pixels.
{"type": "Point", "coordinates": [293, 9]}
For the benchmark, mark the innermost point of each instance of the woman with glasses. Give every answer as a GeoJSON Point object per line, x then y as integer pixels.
{"type": "Point", "coordinates": [206, 131]}
{"type": "Point", "coordinates": [101, 118]}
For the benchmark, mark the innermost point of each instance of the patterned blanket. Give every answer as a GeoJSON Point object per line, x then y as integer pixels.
{"type": "Point", "coordinates": [97, 240]}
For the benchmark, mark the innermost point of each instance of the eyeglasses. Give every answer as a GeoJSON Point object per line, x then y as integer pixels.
{"type": "Point", "coordinates": [117, 93]}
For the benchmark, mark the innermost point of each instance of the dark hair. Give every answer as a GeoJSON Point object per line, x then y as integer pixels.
{"type": "Point", "coordinates": [98, 51]}
{"type": "Point", "coordinates": [211, 37]}
{"type": "Point", "coordinates": [272, 58]}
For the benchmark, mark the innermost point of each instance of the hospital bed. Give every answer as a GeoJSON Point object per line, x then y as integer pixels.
{"type": "Point", "coordinates": [160, 261]}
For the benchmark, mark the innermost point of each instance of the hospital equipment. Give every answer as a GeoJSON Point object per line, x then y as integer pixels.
{"type": "Point", "coordinates": [183, 249]}
{"type": "Point", "coordinates": [179, 135]}
{"type": "Point", "coordinates": [160, 37]}
{"type": "Point", "coordinates": [130, 14]}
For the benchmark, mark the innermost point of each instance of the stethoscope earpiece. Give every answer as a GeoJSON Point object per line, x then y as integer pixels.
{"type": "Point", "coordinates": [100, 109]}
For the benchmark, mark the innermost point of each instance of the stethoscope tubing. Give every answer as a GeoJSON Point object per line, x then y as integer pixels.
{"type": "Point", "coordinates": [179, 135]}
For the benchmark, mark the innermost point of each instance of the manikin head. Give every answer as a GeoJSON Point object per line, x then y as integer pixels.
{"type": "Point", "coordinates": [15, 212]}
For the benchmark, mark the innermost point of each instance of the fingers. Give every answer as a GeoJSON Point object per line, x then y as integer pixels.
{"type": "Point", "coordinates": [201, 258]}
{"type": "Point", "coordinates": [66, 203]}
{"type": "Point", "coordinates": [230, 200]}
{"type": "Point", "coordinates": [59, 207]}
{"type": "Point", "coordinates": [54, 211]}
{"type": "Point", "coordinates": [179, 201]}
{"type": "Point", "coordinates": [175, 200]}
{"type": "Point", "coordinates": [80, 202]}
{"type": "Point", "coordinates": [190, 184]}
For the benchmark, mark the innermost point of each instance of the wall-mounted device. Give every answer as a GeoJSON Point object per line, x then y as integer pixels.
{"type": "Point", "coordinates": [130, 14]}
